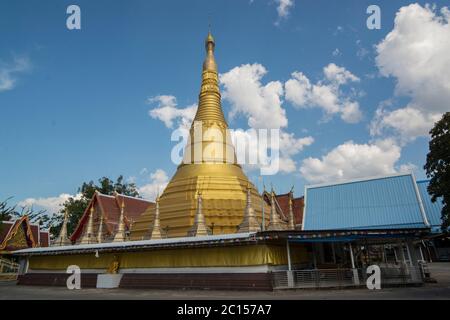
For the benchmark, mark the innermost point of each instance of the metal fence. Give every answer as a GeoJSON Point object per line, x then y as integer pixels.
{"type": "Point", "coordinates": [8, 270]}
{"type": "Point", "coordinates": [339, 278]}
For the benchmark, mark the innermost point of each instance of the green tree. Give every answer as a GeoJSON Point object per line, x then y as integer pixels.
{"type": "Point", "coordinates": [438, 166]}
{"type": "Point", "coordinates": [11, 212]}
{"type": "Point", "coordinates": [75, 206]}
{"type": "Point", "coordinates": [6, 211]}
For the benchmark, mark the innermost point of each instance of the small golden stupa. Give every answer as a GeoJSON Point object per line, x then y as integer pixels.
{"type": "Point", "coordinates": [216, 176]}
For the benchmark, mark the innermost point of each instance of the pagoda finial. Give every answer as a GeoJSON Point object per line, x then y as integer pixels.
{"type": "Point", "coordinates": [63, 239]}
{"type": "Point", "coordinates": [291, 210]}
{"type": "Point", "coordinates": [199, 228]}
{"type": "Point", "coordinates": [120, 234]}
{"type": "Point", "coordinates": [100, 230]}
{"type": "Point", "coordinates": [156, 229]}
{"type": "Point", "coordinates": [275, 220]}
{"type": "Point", "coordinates": [249, 222]}
{"type": "Point", "coordinates": [88, 236]}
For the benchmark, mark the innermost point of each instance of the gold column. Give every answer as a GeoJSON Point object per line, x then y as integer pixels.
{"type": "Point", "coordinates": [88, 236]}
{"type": "Point", "coordinates": [120, 234]}
{"type": "Point", "coordinates": [275, 221]}
{"type": "Point", "coordinates": [100, 231]}
{"type": "Point", "coordinates": [63, 239]}
{"type": "Point", "coordinates": [249, 223]}
{"type": "Point", "coordinates": [291, 212]}
{"type": "Point", "coordinates": [156, 230]}
{"type": "Point", "coordinates": [199, 227]}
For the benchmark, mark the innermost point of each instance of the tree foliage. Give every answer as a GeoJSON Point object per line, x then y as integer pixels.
{"type": "Point", "coordinates": [11, 212]}
{"type": "Point", "coordinates": [75, 206]}
{"type": "Point", "coordinates": [438, 166]}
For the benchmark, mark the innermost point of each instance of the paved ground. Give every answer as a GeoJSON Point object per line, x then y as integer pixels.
{"type": "Point", "coordinates": [439, 290]}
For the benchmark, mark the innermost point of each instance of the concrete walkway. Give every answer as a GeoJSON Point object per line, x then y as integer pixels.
{"type": "Point", "coordinates": [439, 290]}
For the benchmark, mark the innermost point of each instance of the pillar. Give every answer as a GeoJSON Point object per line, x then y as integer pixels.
{"type": "Point", "coordinates": [413, 261]}
{"type": "Point", "coordinates": [290, 273]}
{"type": "Point", "coordinates": [355, 271]}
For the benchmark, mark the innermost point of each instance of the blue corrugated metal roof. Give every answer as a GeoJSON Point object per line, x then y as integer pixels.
{"type": "Point", "coordinates": [432, 209]}
{"type": "Point", "coordinates": [378, 203]}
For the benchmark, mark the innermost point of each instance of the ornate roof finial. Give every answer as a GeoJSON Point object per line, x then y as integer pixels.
{"type": "Point", "coordinates": [275, 220]}
{"type": "Point", "coordinates": [120, 234]}
{"type": "Point", "coordinates": [88, 236]}
{"type": "Point", "coordinates": [63, 239]}
{"type": "Point", "coordinates": [249, 222]}
{"type": "Point", "coordinates": [156, 228]}
{"type": "Point", "coordinates": [291, 222]}
{"type": "Point", "coordinates": [199, 228]}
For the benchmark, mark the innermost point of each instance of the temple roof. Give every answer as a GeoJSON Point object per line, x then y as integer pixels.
{"type": "Point", "coordinates": [12, 237]}
{"type": "Point", "coordinates": [297, 206]}
{"type": "Point", "coordinates": [109, 207]}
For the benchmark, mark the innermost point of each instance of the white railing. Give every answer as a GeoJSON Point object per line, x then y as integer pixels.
{"type": "Point", "coordinates": [8, 269]}
{"type": "Point", "coordinates": [338, 278]}
{"type": "Point", "coordinates": [315, 278]}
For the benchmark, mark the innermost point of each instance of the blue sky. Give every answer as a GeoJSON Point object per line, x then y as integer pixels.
{"type": "Point", "coordinates": [75, 103]}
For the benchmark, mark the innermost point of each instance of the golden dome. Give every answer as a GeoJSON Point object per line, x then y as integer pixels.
{"type": "Point", "coordinates": [222, 182]}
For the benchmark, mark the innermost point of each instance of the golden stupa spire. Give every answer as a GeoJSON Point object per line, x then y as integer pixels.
{"type": "Point", "coordinates": [63, 238]}
{"type": "Point", "coordinates": [120, 234]}
{"type": "Point", "coordinates": [156, 229]}
{"type": "Point", "coordinates": [199, 228]}
{"type": "Point", "coordinates": [291, 210]}
{"type": "Point", "coordinates": [209, 108]}
{"type": "Point", "coordinates": [275, 221]}
{"type": "Point", "coordinates": [100, 230]}
{"type": "Point", "coordinates": [89, 234]}
{"type": "Point", "coordinates": [249, 222]}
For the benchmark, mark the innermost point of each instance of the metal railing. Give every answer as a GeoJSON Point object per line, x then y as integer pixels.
{"type": "Point", "coordinates": [339, 278]}
{"type": "Point", "coordinates": [8, 270]}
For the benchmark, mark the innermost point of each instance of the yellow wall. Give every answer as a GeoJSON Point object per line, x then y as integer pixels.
{"type": "Point", "coordinates": [232, 256]}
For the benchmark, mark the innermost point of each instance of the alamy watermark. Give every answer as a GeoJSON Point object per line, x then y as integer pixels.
{"type": "Point", "coordinates": [74, 280]}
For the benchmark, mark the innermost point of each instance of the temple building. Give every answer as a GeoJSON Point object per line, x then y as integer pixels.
{"type": "Point", "coordinates": [106, 218]}
{"type": "Point", "coordinates": [211, 228]}
{"type": "Point", "coordinates": [20, 234]}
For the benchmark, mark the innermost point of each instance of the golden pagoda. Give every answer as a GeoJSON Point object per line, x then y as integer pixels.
{"type": "Point", "coordinates": [209, 168]}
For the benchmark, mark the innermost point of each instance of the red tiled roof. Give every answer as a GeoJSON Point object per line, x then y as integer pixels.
{"type": "Point", "coordinates": [5, 226]}
{"type": "Point", "coordinates": [110, 206]}
{"type": "Point", "coordinates": [297, 206]}
{"type": "Point", "coordinates": [35, 230]}
{"type": "Point", "coordinates": [44, 239]}
{"type": "Point", "coordinates": [282, 201]}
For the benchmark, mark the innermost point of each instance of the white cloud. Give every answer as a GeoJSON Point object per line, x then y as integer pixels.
{"type": "Point", "coordinates": [289, 147]}
{"type": "Point", "coordinates": [167, 111]}
{"type": "Point", "coordinates": [51, 204]}
{"type": "Point", "coordinates": [283, 7]}
{"type": "Point", "coordinates": [350, 160]}
{"type": "Point", "coordinates": [338, 75]}
{"type": "Point", "coordinates": [260, 103]}
{"type": "Point", "coordinates": [336, 52]}
{"type": "Point", "coordinates": [361, 52]}
{"type": "Point", "coordinates": [158, 181]}
{"type": "Point", "coordinates": [409, 122]}
{"type": "Point", "coordinates": [9, 71]}
{"type": "Point", "coordinates": [325, 94]}
{"type": "Point", "coordinates": [416, 54]}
